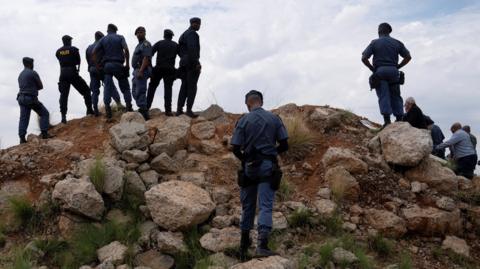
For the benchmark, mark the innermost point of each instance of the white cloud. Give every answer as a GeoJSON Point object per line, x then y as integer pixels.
{"type": "Point", "coordinates": [295, 51]}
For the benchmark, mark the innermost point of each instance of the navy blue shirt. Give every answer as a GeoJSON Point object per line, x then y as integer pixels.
{"type": "Point", "coordinates": [112, 46]}
{"type": "Point", "coordinates": [437, 135]}
{"type": "Point", "coordinates": [166, 51]}
{"type": "Point", "coordinates": [385, 51]}
{"type": "Point", "coordinates": [189, 48]}
{"type": "Point", "coordinates": [89, 54]}
{"type": "Point", "coordinates": [68, 56]}
{"type": "Point", "coordinates": [259, 130]}
{"type": "Point", "coordinates": [29, 82]}
{"type": "Point", "coordinates": [142, 50]}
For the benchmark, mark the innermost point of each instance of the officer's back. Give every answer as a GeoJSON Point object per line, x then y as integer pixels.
{"type": "Point", "coordinates": [29, 82]}
{"type": "Point", "coordinates": [189, 47]}
{"type": "Point", "coordinates": [112, 45]}
{"type": "Point", "coordinates": [166, 53]}
{"type": "Point", "coordinates": [386, 49]}
{"type": "Point", "coordinates": [68, 56]}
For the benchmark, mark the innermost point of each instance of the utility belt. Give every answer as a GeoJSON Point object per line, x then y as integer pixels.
{"type": "Point", "coordinates": [374, 80]}
{"type": "Point", "coordinates": [255, 161]}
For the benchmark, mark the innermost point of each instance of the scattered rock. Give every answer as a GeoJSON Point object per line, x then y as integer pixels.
{"type": "Point", "coordinates": [324, 193]}
{"type": "Point", "coordinates": [219, 240]}
{"type": "Point", "coordinates": [386, 222]}
{"type": "Point", "coordinates": [342, 256]}
{"type": "Point", "coordinates": [405, 145]}
{"type": "Point", "coordinates": [114, 252]}
{"type": "Point", "coordinates": [134, 185]}
{"type": "Point", "coordinates": [164, 164]}
{"type": "Point", "coordinates": [342, 183]}
{"type": "Point", "coordinates": [418, 187]}
{"type": "Point", "coordinates": [178, 205]}
{"type": "Point", "coordinates": [221, 222]}
{"type": "Point", "coordinates": [434, 175]}
{"type": "Point", "coordinates": [446, 203]}
{"type": "Point", "coordinates": [135, 156]}
{"type": "Point", "coordinates": [197, 178]}
{"type": "Point", "coordinates": [345, 158]}
{"type": "Point", "coordinates": [456, 245]}
{"type": "Point", "coordinates": [170, 243]}
{"type": "Point", "coordinates": [130, 133]}
{"type": "Point", "coordinates": [210, 147]}
{"type": "Point", "coordinates": [203, 130]}
{"type": "Point", "coordinates": [150, 178]}
{"type": "Point", "coordinates": [174, 133]}
{"type": "Point", "coordinates": [154, 260]}
{"type": "Point", "coordinates": [273, 262]}
{"type": "Point", "coordinates": [432, 221]}
{"type": "Point", "coordinates": [326, 208]}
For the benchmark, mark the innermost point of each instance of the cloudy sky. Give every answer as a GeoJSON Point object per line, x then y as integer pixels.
{"type": "Point", "coordinates": [304, 52]}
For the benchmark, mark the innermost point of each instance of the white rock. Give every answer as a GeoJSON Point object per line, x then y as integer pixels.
{"type": "Point", "coordinates": [456, 245]}
{"type": "Point", "coordinates": [219, 240]}
{"type": "Point", "coordinates": [114, 252]}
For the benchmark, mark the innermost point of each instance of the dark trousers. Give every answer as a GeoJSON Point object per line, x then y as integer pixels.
{"type": "Point", "coordinates": [96, 79]}
{"type": "Point", "coordinates": [168, 76]}
{"type": "Point", "coordinates": [69, 76]}
{"type": "Point", "coordinates": [466, 165]}
{"type": "Point", "coordinates": [28, 103]}
{"type": "Point", "coordinates": [139, 88]}
{"type": "Point", "coordinates": [188, 90]}
{"type": "Point", "coordinates": [389, 98]}
{"type": "Point", "coordinates": [117, 70]}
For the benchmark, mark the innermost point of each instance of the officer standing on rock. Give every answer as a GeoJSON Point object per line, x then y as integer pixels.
{"type": "Point", "coordinates": [115, 53]}
{"type": "Point", "coordinates": [29, 83]}
{"type": "Point", "coordinates": [385, 68]}
{"type": "Point", "coordinates": [97, 75]}
{"type": "Point", "coordinates": [141, 71]}
{"type": "Point", "coordinates": [255, 143]}
{"type": "Point", "coordinates": [189, 52]}
{"type": "Point", "coordinates": [69, 60]}
{"type": "Point", "coordinates": [166, 51]}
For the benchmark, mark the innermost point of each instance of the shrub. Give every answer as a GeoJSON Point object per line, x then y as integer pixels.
{"type": "Point", "coordinates": [383, 247]}
{"type": "Point", "coordinates": [364, 262]}
{"type": "Point", "coordinates": [285, 190]}
{"type": "Point", "coordinates": [300, 138]}
{"type": "Point", "coordinates": [405, 261]}
{"type": "Point", "coordinates": [326, 253]}
{"type": "Point", "coordinates": [23, 211]}
{"type": "Point", "coordinates": [97, 174]}
{"type": "Point", "coordinates": [194, 254]}
{"type": "Point", "coordinates": [301, 217]}
{"type": "Point", "coordinates": [21, 260]}
{"type": "Point", "coordinates": [333, 224]}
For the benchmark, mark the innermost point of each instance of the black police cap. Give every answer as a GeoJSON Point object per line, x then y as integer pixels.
{"type": "Point", "coordinates": [168, 32]}
{"type": "Point", "coordinates": [253, 92]}
{"type": "Point", "coordinates": [139, 28]}
{"type": "Point", "coordinates": [195, 20]}
{"type": "Point", "coordinates": [66, 38]}
{"type": "Point", "coordinates": [27, 61]}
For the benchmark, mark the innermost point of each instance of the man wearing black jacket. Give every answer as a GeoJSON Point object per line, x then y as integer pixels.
{"type": "Point", "coordinates": [166, 51]}
{"type": "Point", "coordinates": [414, 114]}
{"type": "Point", "coordinates": [189, 52]}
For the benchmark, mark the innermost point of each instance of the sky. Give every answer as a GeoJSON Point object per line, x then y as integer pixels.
{"type": "Point", "coordinates": [303, 52]}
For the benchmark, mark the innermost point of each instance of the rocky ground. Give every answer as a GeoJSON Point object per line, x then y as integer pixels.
{"type": "Point", "coordinates": [163, 194]}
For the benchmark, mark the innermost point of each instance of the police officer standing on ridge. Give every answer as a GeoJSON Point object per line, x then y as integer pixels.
{"type": "Point", "coordinates": [97, 76]}
{"type": "Point", "coordinates": [385, 51]}
{"type": "Point", "coordinates": [189, 52]}
{"type": "Point", "coordinates": [141, 71]}
{"type": "Point", "coordinates": [115, 52]}
{"type": "Point", "coordinates": [255, 143]}
{"type": "Point", "coordinates": [166, 50]}
{"type": "Point", "coordinates": [69, 60]}
{"type": "Point", "coordinates": [29, 83]}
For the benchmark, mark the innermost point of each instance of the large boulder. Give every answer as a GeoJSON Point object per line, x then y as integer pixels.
{"type": "Point", "coordinates": [203, 130]}
{"type": "Point", "coordinates": [434, 175]}
{"type": "Point", "coordinates": [345, 158]}
{"type": "Point", "coordinates": [432, 221]}
{"type": "Point", "coordinates": [173, 133]}
{"type": "Point", "coordinates": [79, 196]}
{"type": "Point", "coordinates": [386, 222]}
{"type": "Point", "coordinates": [272, 262]}
{"type": "Point", "coordinates": [405, 145]}
{"type": "Point", "coordinates": [217, 240]}
{"type": "Point", "coordinates": [342, 183]}
{"type": "Point", "coordinates": [164, 164]}
{"type": "Point", "coordinates": [212, 112]}
{"type": "Point", "coordinates": [176, 205]}
{"type": "Point", "coordinates": [130, 133]}
{"type": "Point", "coordinates": [114, 252]}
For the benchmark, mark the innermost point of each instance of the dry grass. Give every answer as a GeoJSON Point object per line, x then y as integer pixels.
{"type": "Point", "coordinates": [300, 139]}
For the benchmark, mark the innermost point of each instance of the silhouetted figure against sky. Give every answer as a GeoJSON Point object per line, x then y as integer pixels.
{"type": "Point", "coordinates": [166, 51]}
{"type": "Point", "coordinates": [437, 137]}
{"type": "Point", "coordinates": [414, 114]}
{"type": "Point", "coordinates": [189, 52]}
{"type": "Point", "coordinates": [385, 51]}
{"type": "Point", "coordinates": [69, 60]}
{"type": "Point", "coordinates": [142, 70]}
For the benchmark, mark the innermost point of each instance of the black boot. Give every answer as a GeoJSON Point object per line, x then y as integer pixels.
{"type": "Point", "coordinates": [64, 118]}
{"type": "Point", "coordinates": [398, 118]}
{"type": "Point", "coordinates": [22, 139]}
{"type": "Point", "coordinates": [90, 111]}
{"type": "Point", "coordinates": [386, 120]}
{"type": "Point", "coordinates": [191, 114]}
{"type": "Point", "coordinates": [262, 249]}
{"type": "Point", "coordinates": [96, 112]}
{"type": "Point", "coordinates": [179, 112]}
{"type": "Point", "coordinates": [144, 113]}
{"type": "Point", "coordinates": [245, 243]}
{"type": "Point", "coordinates": [46, 135]}
{"type": "Point", "coordinates": [129, 108]}
{"type": "Point", "coordinates": [108, 112]}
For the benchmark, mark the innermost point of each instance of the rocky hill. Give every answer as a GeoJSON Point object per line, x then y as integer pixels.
{"type": "Point", "coordinates": [163, 194]}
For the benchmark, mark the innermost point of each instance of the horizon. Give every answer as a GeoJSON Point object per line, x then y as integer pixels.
{"type": "Point", "coordinates": [295, 53]}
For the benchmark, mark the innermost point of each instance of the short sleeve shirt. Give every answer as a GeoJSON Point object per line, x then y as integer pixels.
{"type": "Point", "coordinates": [385, 51]}
{"type": "Point", "coordinates": [142, 50]}
{"type": "Point", "coordinates": [112, 46]}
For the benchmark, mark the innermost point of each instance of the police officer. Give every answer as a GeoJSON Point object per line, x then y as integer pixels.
{"type": "Point", "coordinates": [385, 51]}
{"type": "Point", "coordinates": [255, 143]}
{"type": "Point", "coordinates": [97, 76]}
{"type": "Point", "coordinates": [141, 71]}
{"type": "Point", "coordinates": [115, 52]}
{"type": "Point", "coordinates": [189, 52]}
{"type": "Point", "coordinates": [166, 50]}
{"type": "Point", "coordinates": [29, 83]}
{"type": "Point", "coordinates": [69, 60]}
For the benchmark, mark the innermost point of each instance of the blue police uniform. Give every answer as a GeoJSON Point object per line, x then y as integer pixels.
{"type": "Point", "coordinates": [68, 58]}
{"type": "Point", "coordinates": [29, 83]}
{"type": "Point", "coordinates": [385, 51]}
{"type": "Point", "coordinates": [96, 76]}
{"type": "Point", "coordinates": [112, 46]}
{"type": "Point", "coordinates": [258, 133]}
{"type": "Point", "coordinates": [139, 85]}
{"type": "Point", "coordinates": [189, 52]}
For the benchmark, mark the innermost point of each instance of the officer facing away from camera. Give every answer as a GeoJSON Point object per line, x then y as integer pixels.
{"type": "Point", "coordinates": [115, 53]}
{"type": "Point", "coordinates": [29, 83]}
{"type": "Point", "coordinates": [255, 143]}
{"type": "Point", "coordinates": [69, 59]}
{"type": "Point", "coordinates": [97, 75]}
{"type": "Point", "coordinates": [385, 51]}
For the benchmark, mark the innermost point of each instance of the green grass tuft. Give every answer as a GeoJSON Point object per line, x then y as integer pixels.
{"type": "Point", "coordinates": [23, 211]}
{"type": "Point", "coordinates": [285, 190]}
{"type": "Point", "coordinates": [405, 261]}
{"type": "Point", "coordinates": [301, 217]}
{"type": "Point", "coordinates": [382, 246]}
{"type": "Point", "coordinates": [333, 224]}
{"type": "Point", "coordinates": [326, 253]}
{"type": "Point", "coordinates": [194, 254]}
{"type": "Point", "coordinates": [97, 174]}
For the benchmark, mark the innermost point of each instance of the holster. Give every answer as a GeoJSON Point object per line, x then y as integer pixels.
{"type": "Point", "coordinates": [242, 179]}
{"type": "Point", "coordinates": [277, 175]}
